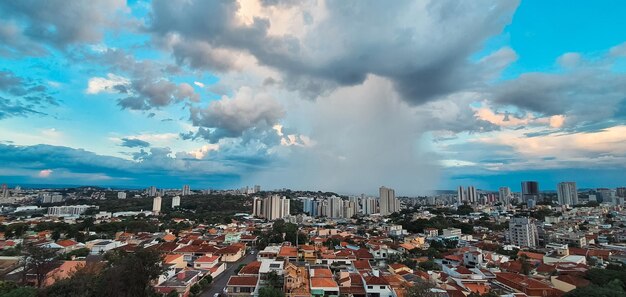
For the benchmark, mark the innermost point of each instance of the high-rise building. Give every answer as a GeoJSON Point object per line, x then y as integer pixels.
{"type": "Point", "coordinates": [472, 196]}
{"type": "Point", "coordinates": [460, 194]}
{"type": "Point", "coordinates": [257, 188]}
{"type": "Point", "coordinates": [620, 192]}
{"type": "Point", "coordinates": [156, 205]}
{"type": "Point", "coordinates": [334, 207]}
{"type": "Point", "coordinates": [605, 195]}
{"type": "Point", "coordinates": [152, 191]}
{"type": "Point", "coordinates": [368, 205]}
{"type": "Point", "coordinates": [530, 190]}
{"type": "Point", "coordinates": [121, 195]}
{"type": "Point", "coordinates": [175, 201]}
{"type": "Point", "coordinates": [349, 209]}
{"type": "Point", "coordinates": [567, 193]}
{"type": "Point", "coordinates": [388, 203]}
{"type": "Point", "coordinates": [186, 190]}
{"type": "Point", "coordinates": [523, 232]}
{"type": "Point", "coordinates": [5, 191]}
{"type": "Point", "coordinates": [504, 195]}
{"type": "Point", "coordinates": [271, 208]}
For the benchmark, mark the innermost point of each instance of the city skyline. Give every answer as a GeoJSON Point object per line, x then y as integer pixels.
{"type": "Point", "coordinates": [228, 94]}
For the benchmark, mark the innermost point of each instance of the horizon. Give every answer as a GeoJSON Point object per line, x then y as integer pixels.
{"type": "Point", "coordinates": [336, 96]}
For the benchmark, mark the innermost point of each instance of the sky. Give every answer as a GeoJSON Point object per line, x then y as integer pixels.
{"type": "Point", "coordinates": [341, 96]}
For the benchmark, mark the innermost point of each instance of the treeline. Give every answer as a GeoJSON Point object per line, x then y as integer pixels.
{"type": "Point", "coordinates": [610, 282]}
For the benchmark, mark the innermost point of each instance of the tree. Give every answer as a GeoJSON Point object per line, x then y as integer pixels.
{"type": "Point", "coordinates": [130, 274]}
{"type": "Point", "coordinates": [172, 293]}
{"type": "Point", "coordinates": [273, 280]}
{"type": "Point", "coordinates": [56, 235]}
{"type": "Point", "coordinates": [525, 264]}
{"type": "Point", "coordinates": [195, 290]}
{"type": "Point", "coordinates": [39, 261]}
{"type": "Point", "coordinates": [420, 289]}
{"type": "Point", "coordinates": [270, 292]}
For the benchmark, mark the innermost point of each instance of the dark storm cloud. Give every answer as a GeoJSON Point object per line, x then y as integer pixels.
{"type": "Point", "coordinates": [154, 164]}
{"type": "Point", "coordinates": [420, 48]}
{"type": "Point", "coordinates": [133, 142]}
{"type": "Point", "coordinates": [27, 24]}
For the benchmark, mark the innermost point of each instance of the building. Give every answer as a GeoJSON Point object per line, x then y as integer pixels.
{"type": "Point", "coordinates": [152, 191]}
{"type": "Point", "coordinates": [605, 195]}
{"type": "Point", "coordinates": [271, 208]}
{"type": "Point", "coordinates": [504, 195]}
{"type": "Point", "coordinates": [523, 232]}
{"type": "Point", "coordinates": [156, 205]}
{"type": "Point", "coordinates": [368, 205]}
{"type": "Point", "coordinates": [460, 194]}
{"type": "Point", "coordinates": [470, 195]}
{"type": "Point", "coordinates": [619, 192]}
{"type": "Point", "coordinates": [121, 195]}
{"type": "Point", "coordinates": [68, 210]}
{"type": "Point", "coordinates": [567, 193]}
{"type": "Point", "coordinates": [334, 207]}
{"type": "Point", "coordinates": [176, 201]}
{"type": "Point", "coordinates": [186, 190]}
{"type": "Point", "coordinates": [5, 191]}
{"type": "Point", "coordinates": [452, 233]}
{"type": "Point", "coordinates": [388, 203]}
{"type": "Point", "coordinates": [530, 190]}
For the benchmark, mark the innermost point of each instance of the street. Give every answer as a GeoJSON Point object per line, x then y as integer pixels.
{"type": "Point", "coordinates": [219, 283]}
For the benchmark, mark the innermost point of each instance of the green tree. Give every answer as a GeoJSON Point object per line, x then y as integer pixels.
{"type": "Point", "coordinates": [130, 274]}
{"type": "Point", "coordinates": [195, 290]}
{"type": "Point", "coordinates": [270, 292]}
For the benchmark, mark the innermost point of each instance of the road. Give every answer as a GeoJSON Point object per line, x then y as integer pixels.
{"type": "Point", "coordinates": [219, 283]}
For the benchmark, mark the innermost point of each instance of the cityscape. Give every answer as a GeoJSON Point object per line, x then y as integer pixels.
{"type": "Point", "coordinates": [321, 148]}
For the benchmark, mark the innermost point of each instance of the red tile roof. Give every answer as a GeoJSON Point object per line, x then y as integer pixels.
{"type": "Point", "coordinates": [242, 281]}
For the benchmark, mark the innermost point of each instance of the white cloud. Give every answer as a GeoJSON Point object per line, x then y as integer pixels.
{"type": "Point", "coordinates": [45, 173]}
{"type": "Point", "coordinates": [106, 84]}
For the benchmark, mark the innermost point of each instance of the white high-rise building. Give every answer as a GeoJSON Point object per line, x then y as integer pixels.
{"type": "Point", "coordinates": [156, 205]}
{"type": "Point", "coordinates": [186, 190]}
{"type": "Point", "coordinates": [567, 193]}
{"type": "Point", "coordinates": [271, 208]}
{"type": "Point", "coordinates": [152, 191]}
{"type": "Point", "coordinates": [176, 201]}
{"type": "Point", "coordinates": [368, 205]}
{"type": "Point", "coordinates": [523, 232]}
{"type": "Point", "coordinates": [388, 203]}
{"type": "Point", "coordinates": [349, 209]}
{"type": "Point", "coordinates": [334, 207]}
{"type": "Point", "coordinates": [121, 195]}
{"type": "Point", "coordinates": [504, 195]}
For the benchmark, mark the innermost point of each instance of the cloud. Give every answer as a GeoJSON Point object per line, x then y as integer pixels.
{"type": "Point", "coordinates": [110, 84]}
{"type": "Point", "coordinates": [146, 86]}
{"type": "Point", "coordinates": [588, 93]}
{"type": "Point", "coordinates": [25, 96]}
{"type": "Point", "coordinates": [231, 117]}
{"type": "Point", "coordinates": [56, 22]}
{"type": "Point", "coordinates": [131, 142]}
{"type": "Point", "coordinates": [45, 173]}
{"type": "Point", "coordinates": [416, 45]}
{"type": "Point", "coordinates": [156, 165]}
{"type": "Point", "coordinates": [361, 137]}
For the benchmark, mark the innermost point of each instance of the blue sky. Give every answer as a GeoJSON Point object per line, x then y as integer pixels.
{"type": "Point", "coordinates": [343, 96]}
